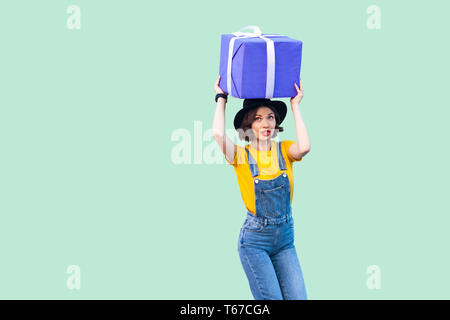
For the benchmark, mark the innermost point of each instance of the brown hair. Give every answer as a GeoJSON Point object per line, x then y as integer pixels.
{"type": "Point", "coordinates": [246, 131]}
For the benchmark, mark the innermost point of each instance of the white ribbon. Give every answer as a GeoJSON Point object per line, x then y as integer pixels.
{"type": "Point", "coordinates": [270, 78]}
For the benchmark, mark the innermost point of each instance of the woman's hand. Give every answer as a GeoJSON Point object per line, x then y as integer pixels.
{"type": "Point", "coordinates": [296, 100]}
{"type": "Point", "coordinates": [217, 88]}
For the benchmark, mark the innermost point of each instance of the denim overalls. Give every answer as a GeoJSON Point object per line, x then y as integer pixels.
{"type": "Point", "coordinates": [266, 241]}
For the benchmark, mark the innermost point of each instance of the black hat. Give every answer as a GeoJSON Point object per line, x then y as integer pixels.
{"type": "Point", "coordinates": [249, 104]}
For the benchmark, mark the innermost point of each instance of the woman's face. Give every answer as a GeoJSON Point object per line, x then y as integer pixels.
{"type": "Point", "coordinates": [264, 123]}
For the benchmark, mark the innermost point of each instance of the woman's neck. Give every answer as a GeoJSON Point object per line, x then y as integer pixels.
{"type": "Point", "coordinates": [262, 145]}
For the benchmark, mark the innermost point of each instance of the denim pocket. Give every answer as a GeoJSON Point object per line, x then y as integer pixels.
{"type": "Point", "coordinates": [252, 225]}
{"type": "Point", "coordinates": [273, 201]}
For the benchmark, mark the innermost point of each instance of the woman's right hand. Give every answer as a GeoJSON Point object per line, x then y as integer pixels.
{"type": "Point", "coordinates": [217, 89]}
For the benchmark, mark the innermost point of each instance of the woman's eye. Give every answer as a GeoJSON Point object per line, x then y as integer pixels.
{"type": "Point", "coordinates": [271, 117]}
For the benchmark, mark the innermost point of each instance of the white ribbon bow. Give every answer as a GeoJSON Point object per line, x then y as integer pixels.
{"type": "Point", "coordinates": [270, 78]}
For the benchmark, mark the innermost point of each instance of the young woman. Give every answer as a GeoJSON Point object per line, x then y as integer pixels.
{"type": "Point", "coordinates": [264, 171]}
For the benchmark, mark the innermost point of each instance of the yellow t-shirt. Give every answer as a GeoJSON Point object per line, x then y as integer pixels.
{"type": "Point", "coordinates": [268, 169]}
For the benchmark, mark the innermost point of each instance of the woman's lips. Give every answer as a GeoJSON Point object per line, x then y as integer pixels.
{"type": "Point", "coordinates": [266, 133]}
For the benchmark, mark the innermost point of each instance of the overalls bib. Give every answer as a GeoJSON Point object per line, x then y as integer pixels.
{"type": "Point", "coordinates": [266, 241]}
{"type": "Point", "coordinates": [272, 197]}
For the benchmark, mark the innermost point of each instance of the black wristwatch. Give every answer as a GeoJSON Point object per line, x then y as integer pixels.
{"type": "Point", "coordinates": [221, 95]}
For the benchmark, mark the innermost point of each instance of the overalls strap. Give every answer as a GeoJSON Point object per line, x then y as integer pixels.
{"type": "Point", "coordinates": [254, 166]}
{"type": "Point", "coordinates": [252, 163]}
{"type": "Point", "coordinates": [281, 163]}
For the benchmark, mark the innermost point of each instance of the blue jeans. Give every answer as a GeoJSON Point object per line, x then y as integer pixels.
{"type": "Point", "coordinates": [269, 258]}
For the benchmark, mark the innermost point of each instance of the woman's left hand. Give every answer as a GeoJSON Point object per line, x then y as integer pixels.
{"type": "Point", "coordinates": [296, 100]}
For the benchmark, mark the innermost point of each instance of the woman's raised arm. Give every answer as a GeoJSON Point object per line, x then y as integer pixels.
{"type": "Point", "coordinates": [226, 144]}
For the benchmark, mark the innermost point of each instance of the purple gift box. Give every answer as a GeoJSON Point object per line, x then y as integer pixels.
{"type": "Point", "coordinates": [258, 65]}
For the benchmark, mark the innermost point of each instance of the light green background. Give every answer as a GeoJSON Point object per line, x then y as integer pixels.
{"type": "Point", "coordinates": [86, 118]}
